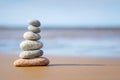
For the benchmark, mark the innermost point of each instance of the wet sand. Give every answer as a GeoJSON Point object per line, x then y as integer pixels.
{"type": "Point", "coordinates": [62, 68]}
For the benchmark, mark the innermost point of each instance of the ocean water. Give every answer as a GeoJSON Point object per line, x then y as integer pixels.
{"type": "Point", "coordinates": [107, 46]}
{"type": "Point", "coordinates": [83, 47]}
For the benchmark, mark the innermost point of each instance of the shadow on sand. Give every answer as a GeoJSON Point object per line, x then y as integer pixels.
{"type": "Point", "coordinates": [76, 65]}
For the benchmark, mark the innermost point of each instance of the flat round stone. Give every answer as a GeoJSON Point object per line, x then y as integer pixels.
{"type": "Point", "coordinates": [31, 36]}
{"type": "Point", "coordinates": [31, 54]}
{"type": "Point", "coordinates": [34, 22]}
{"type": "Point", "coordinates": [31, 45]}
{"type": "Point", "coordinates": [34, 29]}
{"type": "Point", "coordinates": [41, 61]}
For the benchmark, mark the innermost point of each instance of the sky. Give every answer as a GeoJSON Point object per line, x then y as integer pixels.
{"type": "Point", "coordinates": [58, 13]}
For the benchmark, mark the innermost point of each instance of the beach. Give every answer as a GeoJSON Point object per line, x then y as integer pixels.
{"type": "Point", "coordinates": [68, 39]}
{"type": "Point", "coordinates": [62, 68]}
{"type": "Point", "coordinates": [74, 54]}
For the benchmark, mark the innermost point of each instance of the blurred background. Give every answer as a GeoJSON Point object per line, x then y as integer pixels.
{"type": "Point", "coordinates": [75, 28]}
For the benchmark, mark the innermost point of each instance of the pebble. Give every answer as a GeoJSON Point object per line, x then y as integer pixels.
{"type": "Point", "coordinates": [35, 23]}
{"type": "Point", "coordinates": [41, 61]}
{"type": "Point", "coordinates": [31, 54]}
{"type": "Point", "coordinates": [34, 29]}
{"type": "Point", "coordinates": [31, 36]}
{"type": "Point", "coordinates": [30, 45]}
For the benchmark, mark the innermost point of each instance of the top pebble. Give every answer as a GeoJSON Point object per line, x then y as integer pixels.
{"type": "Point", "coordinates": [35, 23]}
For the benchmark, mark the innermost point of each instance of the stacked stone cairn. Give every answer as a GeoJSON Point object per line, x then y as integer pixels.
{"type": "Point", "coordinates": [31, 54]}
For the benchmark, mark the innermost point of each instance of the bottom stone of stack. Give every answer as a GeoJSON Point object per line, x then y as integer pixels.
{"type": "Point", "coordinates": [41, 61]}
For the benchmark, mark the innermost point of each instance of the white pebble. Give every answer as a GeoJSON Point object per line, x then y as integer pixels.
{"type": "Point", "coordinates": [30, 45]}
{"type": "Point", "coordinates": [31, 54]}
{"type": "Point", "coordinates": [31, 36]}
{"type": "Point", "coordinates": [34, 29]}
{"type": "Point", "coordinates": [34, 23]}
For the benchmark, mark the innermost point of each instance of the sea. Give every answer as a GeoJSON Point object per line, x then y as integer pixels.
{"type": "Point", "coordinates": [66, 42]}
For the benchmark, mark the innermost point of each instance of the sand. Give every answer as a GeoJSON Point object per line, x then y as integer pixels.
{"type": "Point", "coordinates": [62, 68]}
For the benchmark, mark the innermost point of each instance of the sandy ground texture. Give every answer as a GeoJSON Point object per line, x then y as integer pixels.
{"type": "Point", "coordinates": [62, 68]}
